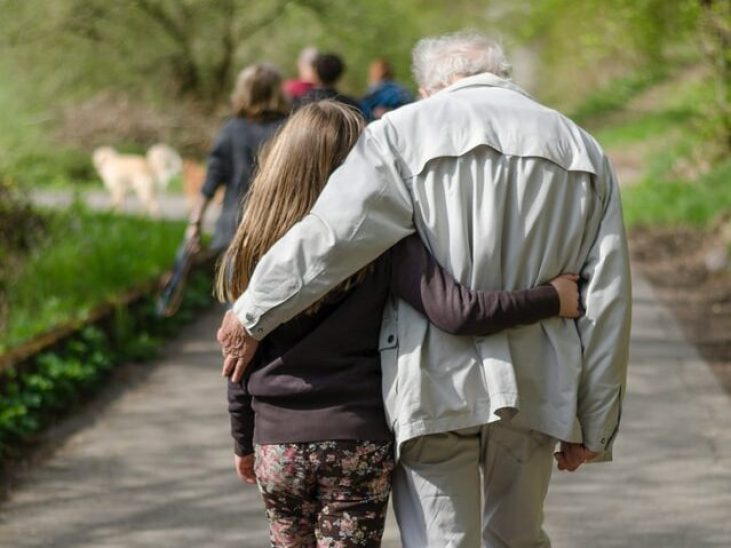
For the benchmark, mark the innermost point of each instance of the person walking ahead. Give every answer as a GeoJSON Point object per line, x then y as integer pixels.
{"type": "Point", "coordinates": [506, 193]}
{"type": "Point", "coordinates": [329, 67]}
{"type": "Point", "coordinates": [259, 108]}
{"type": "Point", "coordinates": [384, 93]}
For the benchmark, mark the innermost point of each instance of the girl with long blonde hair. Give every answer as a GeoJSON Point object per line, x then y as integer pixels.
{"type": "Point", "coordinates": [307, 418]}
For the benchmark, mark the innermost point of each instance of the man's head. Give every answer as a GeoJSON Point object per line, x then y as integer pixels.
{"type": "Point", "coordinates": [441, 61]}
{"type": "Point", "coordinates": [306, 64]}
{"type": "Point", "coordinates": [329, 67]}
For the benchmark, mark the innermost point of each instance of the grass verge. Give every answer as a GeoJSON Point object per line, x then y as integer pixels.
{"type": "Point", "coordinates": [666, 135]}
{"type": "Point", "coordinates": [85, 258]}
{"type": "Point", "coordinates": [617, 94]}
{"type": "Point", "coordinates": [658, 201]}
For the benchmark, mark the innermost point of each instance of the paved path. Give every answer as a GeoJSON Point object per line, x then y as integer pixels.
{"type": "Point", "coordinates": [172, 206]}
{"type": "Point", "coordinates": [153, 467]}
{"type": "Point", "coordinates": [670, 484]}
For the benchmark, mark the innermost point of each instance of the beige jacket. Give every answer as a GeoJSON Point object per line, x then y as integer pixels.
{"type": "Point", "coordinates": [507, 194]}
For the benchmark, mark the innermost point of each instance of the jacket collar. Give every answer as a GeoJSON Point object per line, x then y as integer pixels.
{"type": "Point", "coordinates": [485, 79]}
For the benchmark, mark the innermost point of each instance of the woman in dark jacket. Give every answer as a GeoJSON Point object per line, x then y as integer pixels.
{"type": "Point", "coordinates": [259, 109]}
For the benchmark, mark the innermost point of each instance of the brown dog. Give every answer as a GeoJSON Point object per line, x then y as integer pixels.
{"type": "Point", "coordinates": [194, 175]}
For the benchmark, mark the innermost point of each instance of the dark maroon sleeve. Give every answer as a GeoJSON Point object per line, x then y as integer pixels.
{"type": "Point", "coordinates": [418, 279]}
{"type": "Point", "coordinates": [242, 418]}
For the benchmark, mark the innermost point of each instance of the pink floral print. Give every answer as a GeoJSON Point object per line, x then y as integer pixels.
{"type": "Point", "coordinates": [325, 494]}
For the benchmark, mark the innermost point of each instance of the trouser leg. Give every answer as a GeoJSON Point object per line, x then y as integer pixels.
{"type": "Point", "coordinates": [517, 469]}
{"type": "Point", "coordinates": [354, 482]}
{"type": "Point", "coordinates": [288, 487]}
{"type": "Point", "coordinates": [436, 490]}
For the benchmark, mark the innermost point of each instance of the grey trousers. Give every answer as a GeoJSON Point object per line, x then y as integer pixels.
{"type": "Point", "coordinates": [481, 486]}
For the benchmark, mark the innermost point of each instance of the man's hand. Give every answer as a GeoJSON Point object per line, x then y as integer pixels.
{"type": "Point", "coordinates": [572, 456]}
{"type": "Point", "coordinates": [237, 345]}
{"type": "Point", "coordinates": [245, 468]}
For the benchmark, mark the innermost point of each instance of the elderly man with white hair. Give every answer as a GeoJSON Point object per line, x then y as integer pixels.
{"type": "Point", "coordinates": [506, 193]}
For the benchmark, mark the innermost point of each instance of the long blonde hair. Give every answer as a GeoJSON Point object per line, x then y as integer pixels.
{"type": "Point", "coordinates": [292, 172]}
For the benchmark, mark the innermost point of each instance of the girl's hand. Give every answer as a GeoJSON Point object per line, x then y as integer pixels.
{"type": "Point", "coordinates": [568, 294]}
{"type": "Point", "coordinates": [245, 468]}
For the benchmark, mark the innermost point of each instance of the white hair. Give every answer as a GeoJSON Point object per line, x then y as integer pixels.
{"type": "Point", "coordinates": [439, 61]}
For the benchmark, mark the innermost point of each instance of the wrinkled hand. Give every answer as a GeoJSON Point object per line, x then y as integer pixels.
{"type": "Point", "coordinates": [245, 468]}
{"type": "Point", "coordinates": [572, 456]}
{"type": "Point", "coordinates": [237, 345]}
{"type": "Point", "coordinates": [566, 286]}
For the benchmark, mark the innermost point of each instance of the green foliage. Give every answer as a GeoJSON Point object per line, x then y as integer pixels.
{"type": "Point", "coordinates": [56, 382]}
{"type": "Point", "coordinates": [21, 228]}
{"type": "Point", "coordinates": [363, 30]}
{"type": "Point", "coordinates": [681, 182]}
{"type": "Point", "coordinates": [669, 202]}
{"type": "Point", "coordinates": [86, 259]}
{"type": "Point", "coordinates": [60, 379]}
{"type": "Point", "coordinates": [82, 73]}
{"type": "Point", "coordinates": [193, 48]}
{"type": "Point", "coordinates": [583, 46]}
{"type": "Point", "coordinates": [54, 168]}
{"type": "Point", "coordinates": [616, 94]}
{"type": "Point", "coordinates": [672, 110]}
{"type": "Point", "coordinates": [643, 127]}
{"type": "Point", "coordinates": [28, 153]}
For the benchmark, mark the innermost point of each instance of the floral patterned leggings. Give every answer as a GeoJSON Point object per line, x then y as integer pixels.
{"type": "Point", "coordinates": [331, 493]}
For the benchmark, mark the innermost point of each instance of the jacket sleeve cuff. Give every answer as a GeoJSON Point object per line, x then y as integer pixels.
{"type": "Point", "coordinates": [600, 429]}
{"type": "Point", "coordinates": [243, 447]}
{"type": "Point", "coordinates": [604, 456]}
{"type": "Point", "coordinates": [600, 444]}
{"type": "Point", "coordinates": [247, 313]}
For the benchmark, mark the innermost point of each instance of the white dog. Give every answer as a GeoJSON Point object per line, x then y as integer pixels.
{"type": "Point", "coordinates": [144, 175]}
{"type": "Point", "coordinates": [165, 162]}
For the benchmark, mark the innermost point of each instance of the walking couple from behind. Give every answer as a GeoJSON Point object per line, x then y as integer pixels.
{"type": "Point", "coordinates": [428, 305]}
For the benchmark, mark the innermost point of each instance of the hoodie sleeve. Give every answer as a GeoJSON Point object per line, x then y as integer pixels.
{"type": "Point", "coordinates": [242, 417]}
{"type": "Point", "coordinates": [417, 278]}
